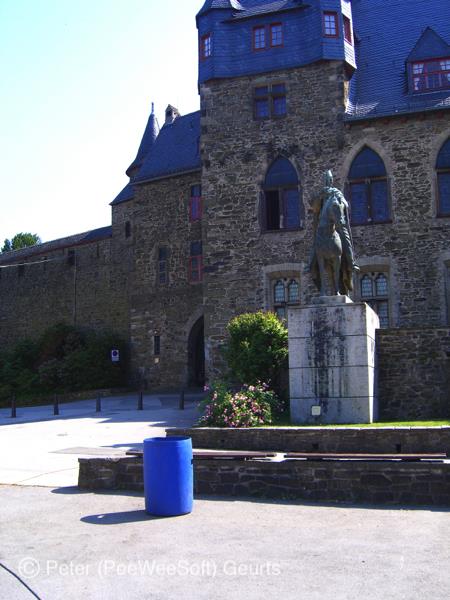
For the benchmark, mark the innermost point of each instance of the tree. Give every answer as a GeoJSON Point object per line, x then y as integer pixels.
{"type": "Point", "coordinates": [6, 246]}
{"type": "Point", "coordinates": [21, 240]}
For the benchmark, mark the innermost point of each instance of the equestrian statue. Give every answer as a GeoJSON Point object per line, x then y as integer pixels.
{"type": "Point", "coordinates": [332, 252]}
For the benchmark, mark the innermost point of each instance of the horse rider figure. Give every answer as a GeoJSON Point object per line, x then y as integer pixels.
{"type": "Point", "coordinates": [332, 196]}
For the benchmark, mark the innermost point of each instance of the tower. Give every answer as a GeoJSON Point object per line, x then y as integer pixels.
{"type": "Point", "coordinates": [273, 83]}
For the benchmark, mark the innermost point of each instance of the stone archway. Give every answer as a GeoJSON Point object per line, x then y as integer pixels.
{"type": "Point", "coordinates": [196, 354]}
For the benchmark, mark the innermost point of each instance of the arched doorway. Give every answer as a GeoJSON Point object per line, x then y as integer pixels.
{"type": "Point", "coordinates": [196, 354]}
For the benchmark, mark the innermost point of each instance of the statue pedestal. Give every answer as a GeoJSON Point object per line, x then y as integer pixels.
{"type": "Point", "coordinates": [332, 362]}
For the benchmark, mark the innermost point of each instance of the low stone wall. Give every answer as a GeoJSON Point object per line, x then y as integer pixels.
{"type": "Point", "coordinates": [373, 482]}
{"type": "Point", "coordinates": [414, 373]}
{"type": "Point", "coordinates": [116, 473]}
{"type": "Point", "coordinates": [330, 481]}
{"type": "Point", "coordinates": [410, 440]}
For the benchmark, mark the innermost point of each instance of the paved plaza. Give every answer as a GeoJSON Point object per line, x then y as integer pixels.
{"type": "Point", "coordinates": [69, 544]}
{"type": "Point", "coordinates": [38, 448]}
{"type": "Point", "coordinates": [65, 543]}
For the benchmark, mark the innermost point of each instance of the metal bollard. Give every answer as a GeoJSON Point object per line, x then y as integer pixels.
{"type": "Point", "coordinates": [98, 404]}
{"type": "Point", "coordinates": [141, 400]}
{"type": "Point", "coordinates": [55, 405]}
{"type": "Point", "coordinates": [13, 407]}
{"type": "Point", "coordinates": [182, 399]}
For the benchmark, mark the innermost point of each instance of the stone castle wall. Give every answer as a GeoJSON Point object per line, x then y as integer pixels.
{"type": "Point", "coordinates": [412, 249]}
{"type": "Point", "coordinates": [170, 309]}
{"type": "Point", "coordinates": [49, 289]}
{"type": "Point", "coordinates": [117, 286]}
{"type": "Point", "coordinates": [235, 159]}
{"type": "Point", "coordinates": [414, 373]}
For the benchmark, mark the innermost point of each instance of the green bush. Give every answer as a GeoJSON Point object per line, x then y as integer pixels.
{"type": "Point", "coordinates": [251, 406]}
{"type": "Point", "coordinates": [63, 359]}
{"type": "Point", "coordinates": [257, 347]}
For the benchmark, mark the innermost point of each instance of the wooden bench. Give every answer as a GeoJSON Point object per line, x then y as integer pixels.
{"type": "Point", "coordinates": [364, 456]}
{"type": "Point", "coordinates": [219, 454]}
{"type": "Point", "coordinates": [255, 454]}
{"type": "Point", "coordinates": [231, 454]}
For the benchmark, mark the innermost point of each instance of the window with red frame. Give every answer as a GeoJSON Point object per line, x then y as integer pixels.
{"type": "Point", "coordinates": [348, 35]}
{"type": "Point", "coordinates": [265, 35]}
{"type": "Point", "coordinates": [195, 203]}
{"type": "Point", "coordinates": [330, 24]}
{"type": "Point", "coordinates": [205, 46]}
{"type": "Point", "coordinates": [259, 38]}
{"type": "Point", "coordinates": [196, 262]}
{"type": "Point", "coordinates": [276, 34]}
{"type": "Point", "coordinates": [431, 75]}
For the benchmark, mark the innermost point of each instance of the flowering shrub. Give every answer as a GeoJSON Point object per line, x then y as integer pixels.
{"type": "Point", "coordinates": [251, 406]}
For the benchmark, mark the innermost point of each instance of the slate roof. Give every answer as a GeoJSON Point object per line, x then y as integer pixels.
{"type": "Point", "coordinates": [94, 235]}
{"type": "Point", "coordinates": [267, 8]}
{"type": "Point", "coordinates": [148, 139]}
{"type": "Point", "coordinates": [223, 4]}
{"type": "Point", "coordinates": [126, 194]}
{"type": "Point", "coordinates": [388, 34]}
{"type": "Point", "coordinates": [176, 150]}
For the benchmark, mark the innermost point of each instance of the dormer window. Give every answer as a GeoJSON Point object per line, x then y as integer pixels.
{"type": "Point", "coordinates": [430, 75]}
{"type": "Point", "coordinates": [205, 46]}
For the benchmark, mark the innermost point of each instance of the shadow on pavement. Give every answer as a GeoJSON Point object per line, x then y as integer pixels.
{"type": "Point", "coordinates": [288, 502]}
{"type": "Point", "coordinates": [322, 504]}
{"type": "Point", "coordinates": [113, 410]}
{"type": "Point", "coordinates": [75, 490]}
{"type": "Point", "coordinates": [119, 518]}
{"type": "Point", "coordinates": [131, 446]}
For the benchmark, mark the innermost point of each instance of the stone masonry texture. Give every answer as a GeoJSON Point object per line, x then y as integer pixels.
{"type": "Point", "coordinates": [381, 482]}
{"type": "Point", "coordinates": [116, 286]}
{"type": "Point", "coordinates": [386, 440]}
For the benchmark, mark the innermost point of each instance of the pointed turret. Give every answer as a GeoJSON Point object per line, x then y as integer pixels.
{"type": "Point", "coordinates": [148, 139]}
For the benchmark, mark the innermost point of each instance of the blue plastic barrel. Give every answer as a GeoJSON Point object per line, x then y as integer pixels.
{"type": "Point", "coordinates": [168, 476]}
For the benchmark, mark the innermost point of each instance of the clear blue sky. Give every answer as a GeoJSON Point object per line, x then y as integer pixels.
{"type": "Point", "coordinates": [77, 81]}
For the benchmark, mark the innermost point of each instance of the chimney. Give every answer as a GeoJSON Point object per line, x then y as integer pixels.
{"type": "Point", "coordinates": [171, 114]}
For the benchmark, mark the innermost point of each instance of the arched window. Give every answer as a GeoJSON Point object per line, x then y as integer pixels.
{"type": "Point", "coordinates": [293, 291]}
{"type": "Point", "coordinates": [278, 292]}
{"type": "Point", "coordinates": [374, 289]}
{"type": "Point", "coordinates": [443, 176]}
{"type": "Point", "coordinates": [286, 292]}
{"type": "Point", "coordinates": [368, 189]}
{"type": "Point", "coordinates": [281, 205]}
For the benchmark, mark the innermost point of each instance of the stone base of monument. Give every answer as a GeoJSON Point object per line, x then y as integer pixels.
{"type": "Point", "coordinates": [332, 362]}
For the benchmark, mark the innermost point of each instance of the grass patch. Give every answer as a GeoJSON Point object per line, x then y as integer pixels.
{"type": "Point", "coordinates": [285, 422]}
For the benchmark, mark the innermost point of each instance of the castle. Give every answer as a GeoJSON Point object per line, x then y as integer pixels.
{"type": "Point", "coordinates": [215, 219]}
